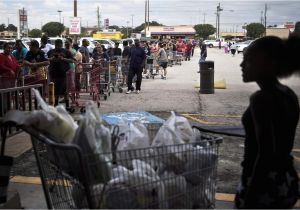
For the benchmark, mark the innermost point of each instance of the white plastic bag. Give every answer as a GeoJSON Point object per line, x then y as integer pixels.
{"type": "Point", "coordinates": [142, 180]}
{"type": "Point", "coordinates": [176, 130]}
{"type": "Point", "coordinates": [51, 121]}
{"type": "Point", "coordinates": [133, 137]}
{"type": "Point", "coordinates": [95, 141]}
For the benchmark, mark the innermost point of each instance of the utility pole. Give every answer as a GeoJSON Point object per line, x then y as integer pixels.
{"type": "Point", "coordinates": [127, 29]}
{"type": "Point", "coordinates": [148, 14]}
{"type": "Point", "coordinates": [145, 18]}
{"type": "Point", "coordinates": [132, 23]}
{"type": "Point", "coordinates": [75, 8]}
{"type": "Point", "coordinates": [219, 9]}
{"type": "Point", "coordinates": [98, 18]}
{"type": "Point", "coordinates": [262, 17]}
{"type": "Point", "coordinates": [75, 15]}
{"type": "Point", "coordinates": [59, 12]}
{"type": "Point", "coordinates": [204, 14]}
{"type": "Point", "coordinates": [266, 9]}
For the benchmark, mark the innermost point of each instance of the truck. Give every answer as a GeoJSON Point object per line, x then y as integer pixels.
{"type": "Point", "coordinates": [214, 43]}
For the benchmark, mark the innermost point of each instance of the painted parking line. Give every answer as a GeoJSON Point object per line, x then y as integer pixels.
{"type": "Point", "coordinates": [37, 181]}
{"type": "Point", "coordinates": [203, 121]}
{"type": "Point", "coordinates": [214, 115]}
{"type": "Point", "coordinates": [227, 197]}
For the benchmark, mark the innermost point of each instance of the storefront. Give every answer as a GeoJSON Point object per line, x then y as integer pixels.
{"type": "Point", "coordinates": [170, 32]}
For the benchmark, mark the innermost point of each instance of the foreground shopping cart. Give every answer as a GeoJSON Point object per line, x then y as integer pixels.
{"type": "Point", "coordinates": [185, 175]}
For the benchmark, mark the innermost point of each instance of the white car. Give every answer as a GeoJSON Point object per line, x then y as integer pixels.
{"type": "Point", "coordinates": [106, 42]}
{"type": "Point", "coordinates": [13, 42]}
{"type": "Point", "coordinates": [240, 47]}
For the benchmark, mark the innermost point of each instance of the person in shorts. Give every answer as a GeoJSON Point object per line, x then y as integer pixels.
{"type": "Point", "coordinates": [162, 60]}
{"type": "Point", "coordinates": [125, 63]}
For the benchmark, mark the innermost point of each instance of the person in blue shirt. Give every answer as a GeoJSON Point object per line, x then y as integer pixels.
{"type": "Point", "coordinates": [137, 57]}
{"type": "Point", "coordinates": [20, 53]}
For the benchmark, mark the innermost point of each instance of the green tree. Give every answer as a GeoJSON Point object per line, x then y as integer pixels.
{"type": "Point", "coordinates": [11, 27]}
{"type": "Point", "coordinates": [141, 27]}
{"type": "Point", "coordinates": [35, 33]}
{"type": "Point", "coordinates": [53, 28]}
{"type": "Point", "coordinates": [2, 27]}
{"type": "Point", "coordinates": [204, 30]}
{"type": "Point", "coordinates": [114, 27]}
{"type": "Point", "coordinates": [255, 30]}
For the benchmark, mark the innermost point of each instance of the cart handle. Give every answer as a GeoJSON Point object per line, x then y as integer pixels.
{"type": "Point", "coordinates": [217, 132]}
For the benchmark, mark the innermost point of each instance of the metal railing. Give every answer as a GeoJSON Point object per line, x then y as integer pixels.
{"type": "Point", "coordinates": [17, 98]}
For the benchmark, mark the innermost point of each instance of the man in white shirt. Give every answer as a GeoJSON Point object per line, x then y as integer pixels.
{"type": "Point", "coordinates": [45, 46]}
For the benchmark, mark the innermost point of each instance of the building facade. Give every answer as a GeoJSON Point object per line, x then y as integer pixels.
{"type": "Point", "coordinates": [170, 32]}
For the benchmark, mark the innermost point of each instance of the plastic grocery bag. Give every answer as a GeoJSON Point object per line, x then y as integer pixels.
{"type": "Point", "coordinates": [200, 165]}
{"type": "Point", "coordinates": [176, 130]}
{"type": "Point", "coordinates": [132, 137]}
{"type": "Point", "coordinates": [95, 141]}
{"type": "Point", "coordinates": [142, 182]}
{"type": "Point", "coordinates": [54, 122]}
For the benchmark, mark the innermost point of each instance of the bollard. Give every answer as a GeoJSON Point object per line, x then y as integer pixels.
{"type": "Point", "coordinates": [207, 77]}
{"type": "Point", "coordinates": [51, 94]}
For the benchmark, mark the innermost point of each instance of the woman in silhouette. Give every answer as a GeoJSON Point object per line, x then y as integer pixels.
{"type": "Point", "coordinates": [269, 179]}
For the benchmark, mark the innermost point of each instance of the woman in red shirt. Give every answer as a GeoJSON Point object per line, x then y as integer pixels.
{"type": "Point", "coordinates": [9, 67]}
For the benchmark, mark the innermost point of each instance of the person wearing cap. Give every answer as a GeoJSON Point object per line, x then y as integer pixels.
{"type": "Point", "coordinates": [137, 58]}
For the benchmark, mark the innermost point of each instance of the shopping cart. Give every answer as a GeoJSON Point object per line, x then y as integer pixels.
{"type": "Point", "coordinates": [185, 175]}
{"type": "Point", "coordinates": [150, 67]}
{"type": "Point", "coordinates": [179, 58]}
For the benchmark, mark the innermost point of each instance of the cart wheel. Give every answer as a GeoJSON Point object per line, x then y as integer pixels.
{"type": "Point", "coordinates": [82, 110]}
{"type": "Point", "coordinates": [120, 90]}
{"type": "Point", "coordinates": [105, 97]}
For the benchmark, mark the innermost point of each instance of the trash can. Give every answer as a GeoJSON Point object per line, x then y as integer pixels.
{"type": "Point", "coordinates": [207, 77]}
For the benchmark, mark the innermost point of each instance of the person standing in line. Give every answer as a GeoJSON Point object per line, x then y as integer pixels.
{"type": "Point", "coordinates": [233, 49]}
{"type": "Point", "coordinates": [117, 51]}
{"type": "Point", "coordinates": [20, 53]}
{"type": "Point", "coordinates": [45, 46]}
{"type": "Point", "coordinates": [85, 51]}
{"type": "Point", "coordinates": [9, 67]}
{"type": "Point", "coordinates": [188, 51]}
{"type": "Point", "coordinates": [226, 48]}
{"type": "Point", "coordinates": [203, 55]}
{"type": "Point", "coordinates": [220, 44]}
{"type": "Point", "coordinates": [125, 63]}
{"type": "Point", "coordinates": [269, 179]}
{"type": "Point", "coordinates": [137, 58]}
{"type": "Point", "coordinates": [194, 43]}
{"type": "Point", "coordinates": [162, 60]}
{"type": "Point", "coordinates": [60, 60]}
{"type": "Point", "coordinates": [35, 60]}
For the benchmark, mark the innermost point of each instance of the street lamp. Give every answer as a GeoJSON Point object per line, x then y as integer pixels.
{"type": "Point", "coordinates": [127, 27]}
{"type": "Point", "coordinates": [59, 12]}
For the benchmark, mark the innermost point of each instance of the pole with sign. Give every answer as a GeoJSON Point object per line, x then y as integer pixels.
{"type": "Point", "coordinates": [75, 26]}
{"type": "Point", "coordinates": [23, 22]}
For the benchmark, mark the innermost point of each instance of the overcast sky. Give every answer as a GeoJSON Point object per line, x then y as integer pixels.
{"type": "Point", "coordinates": [168, 12]}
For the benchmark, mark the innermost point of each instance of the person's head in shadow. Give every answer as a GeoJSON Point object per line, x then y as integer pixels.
{"type": "Point", "coordinates": [269, 58]}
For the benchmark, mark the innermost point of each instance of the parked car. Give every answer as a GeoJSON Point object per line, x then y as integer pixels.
{"type": "Point", "coordinates": [214, 43]}
{"type": "Point", "coordinates": [129, 40]}
{"type": "Point", "coordinates": [106, 42]}
{"type": "Point", "coordinates": [12, 41]}
{"type": "Point", "coordinates": [240, 47]}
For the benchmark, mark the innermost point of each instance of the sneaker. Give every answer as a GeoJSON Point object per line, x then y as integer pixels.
{"type": "Point", "coordinates": [128, 92]}
{"type": "Point", "coordinates": [137, 91]}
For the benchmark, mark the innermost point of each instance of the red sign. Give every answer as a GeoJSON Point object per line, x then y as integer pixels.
{"type": "Point", "coordinates": [23, 17]}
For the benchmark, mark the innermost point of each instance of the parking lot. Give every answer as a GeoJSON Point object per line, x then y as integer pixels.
{"type": "Point", "coordinates": [178, 93]}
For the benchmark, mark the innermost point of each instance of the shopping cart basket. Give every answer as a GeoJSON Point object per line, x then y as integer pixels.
{"type": "Point", "coordinates": [183, 176]}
